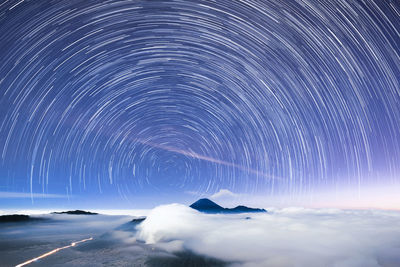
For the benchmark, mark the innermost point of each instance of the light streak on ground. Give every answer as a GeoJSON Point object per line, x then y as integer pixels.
{"type": "Point", "coordinates": [53, 251]}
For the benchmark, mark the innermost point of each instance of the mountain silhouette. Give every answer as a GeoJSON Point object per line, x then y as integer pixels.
{"type": "Point", "coordinates": [207, 206]}
{"type": "Point", "coordinates": [76, 212]}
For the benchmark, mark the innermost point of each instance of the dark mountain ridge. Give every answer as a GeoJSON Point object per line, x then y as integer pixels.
{"type": "Point", "coordinates": [207, 206]}
{"type": "Point", "coordinates": [76, 212]}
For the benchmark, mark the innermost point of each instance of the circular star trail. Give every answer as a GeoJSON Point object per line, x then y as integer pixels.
{"type": "Point", "coordinates": [160, 97]}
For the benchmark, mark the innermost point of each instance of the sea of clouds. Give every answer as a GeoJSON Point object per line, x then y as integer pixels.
{"type": "Point", "coordinates": [282, 237]}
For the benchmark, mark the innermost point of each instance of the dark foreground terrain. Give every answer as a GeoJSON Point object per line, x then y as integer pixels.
{"type": "Point", "coordinates": [23, 238]}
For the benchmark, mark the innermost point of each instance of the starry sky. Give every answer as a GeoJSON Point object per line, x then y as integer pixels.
{"type": "Point", "coordinates": [145, 102]}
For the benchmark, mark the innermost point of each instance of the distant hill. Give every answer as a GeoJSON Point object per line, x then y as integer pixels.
{"type": "Point", "coordinates": [18, 218]}
{"type": "Point", "coordinates": [138, 220]}
{"type": "Point", "coordinates": [76, 212]}
{"type": "Point", "coordinates": [207, 206]}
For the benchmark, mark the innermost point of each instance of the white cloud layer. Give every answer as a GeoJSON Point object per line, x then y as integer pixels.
{"type": "Point", "coordinates": [285, 237]}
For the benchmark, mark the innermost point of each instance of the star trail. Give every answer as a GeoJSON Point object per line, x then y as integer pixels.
{"type": "Point", "coordinates": [160, 98]}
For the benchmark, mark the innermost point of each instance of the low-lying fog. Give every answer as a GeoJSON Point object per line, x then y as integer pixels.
{"type": "Point", "coordinates": [176, 235]}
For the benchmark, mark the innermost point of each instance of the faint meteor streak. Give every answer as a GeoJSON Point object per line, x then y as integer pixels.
{"type": "Point", "coordinates": [209, 159]}
{"type": "Point", "coordinates": [53, 251]}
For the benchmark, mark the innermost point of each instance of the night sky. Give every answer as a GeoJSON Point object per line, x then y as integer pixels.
{"type": "Point", "coordinates": [143, 102]}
